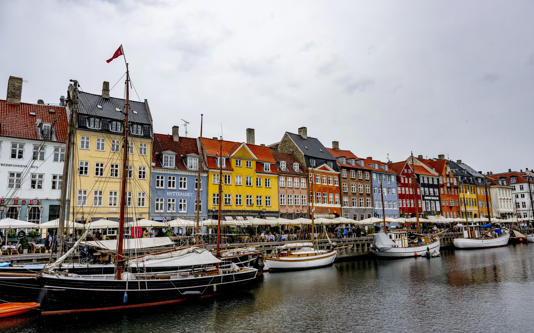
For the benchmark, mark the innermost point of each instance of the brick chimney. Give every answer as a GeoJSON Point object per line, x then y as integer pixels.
{"type": "Point", "coordinates": [335, 145]}
{"type": "Point", "coordinates": [175, 134]}
{"type": "Point", "coordinates": [509, 170]}
{"type": "Point", "coordinates": [251, 138]}
{"type": "Point", "coordinates": [420, 157]}
{"type": "Point", "coordinates": [14, 90]}
{"type": "Point", "coordinates": [441, 156]}
{"type": "Point", "coordinates": [105, 89]}
{"type": "Point", "coordinates": [303, 132]}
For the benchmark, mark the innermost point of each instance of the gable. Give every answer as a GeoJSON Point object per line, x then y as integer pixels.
{"type": "Point", "coordinates": [244, 152]}
{"type": "Point", "coordinates": [325, 167]}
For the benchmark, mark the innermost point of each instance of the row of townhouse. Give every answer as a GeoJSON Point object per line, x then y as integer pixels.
{"type": "Point", "coordinates": [295, 177]}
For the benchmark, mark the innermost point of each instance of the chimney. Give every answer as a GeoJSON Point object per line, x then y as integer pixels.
{"type": "Point", "coordinates": [420, 157]}
{"type": "Point", "coordinates": [335, 145]}
{"type": "Point", "coordinates": [441, 156]}
{"type": "Point", "coordinates": [105, 89]}
{"type": "Point", "coordinates": [303, 132]}
{"type": "Point", "coordinates": [509, 170]}
{"type": "Point", "coordinates": [14, 90]}
{"type": "Point", "coordinates": [175, 134]}
{"type": "Point", "coordinates": [459, 161]}
{"type": "Point", "coordinates": [251, 140]}
{"type": "Point", "coordinates": [40, 102]}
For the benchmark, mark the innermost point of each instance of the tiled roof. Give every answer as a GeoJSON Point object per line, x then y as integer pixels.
{"type": "Point", "coordinates": [262, 153]}
{"type": "Point", "coordinates": [289, 159]}
{"type": "Point", "coordinates": [16, 121]}
{"type": "Point", "coordinates": [311, 147]}
{"type": "Point", "coordinates": [88, 104]}
{"type": "Point", "coordinates": [342, 153]}
{"type": "Point", "coordinates": [164, 142]}
{"type": "Point", "coordinates": [438, 165]}
{"type": "Point", "coordinates": [369, 161]}
{"type": "Point", "coordinates": [347, 154]}
{"type": "Point", "coordinates": [420, 170]}
{"type": "Point", "coordinates": [519, 175]}
{"type": "Point", "coordinates": [211, 147]}
{"type": "Point", "coordinates": [397, 167]}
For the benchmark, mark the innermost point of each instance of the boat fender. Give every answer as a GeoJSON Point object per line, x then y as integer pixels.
{"type": "Point", "coordinates": [415, 254]}
{"type": "Point", "coordinates": [125, 298]}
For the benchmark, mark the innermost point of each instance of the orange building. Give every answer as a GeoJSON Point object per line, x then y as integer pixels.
{"type": "Point", "coordinates": [448, 187]}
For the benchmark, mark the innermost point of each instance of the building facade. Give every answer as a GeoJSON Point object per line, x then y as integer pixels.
{"type": "Point", "coordinates": [448, 187]}
{"type": "Point", "coordinates": [174, 184]}
{"type": "Point", "coordinates": [428, 181]}
{"type": "Point", "coordinates": [323, 173]}
{"type": "Point", "coordinates": [292, 186]}
{"type": "Point", "coordinates": [32, 154]}
{"type": "Point", "coordinates": [523, 190]}
{"type": "Point", "coordinates": [384, 180]}
{"type": "Point", "coordinates": [408, 190]}
{"type": "Point", "coordinates": [97, 158]}
{"type": "Point", "coordinates": [356, 184]}
{"type": "Point", "coordinates": [502, 198]}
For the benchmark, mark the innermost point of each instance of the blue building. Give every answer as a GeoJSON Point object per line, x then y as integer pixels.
{"type": "Point", "coordinates": [388, 178]}
{"type": "Point", "coordinates": [173, 187]}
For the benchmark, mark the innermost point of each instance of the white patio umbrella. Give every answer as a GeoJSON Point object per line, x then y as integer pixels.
{"type": "Point", "coordinates": [209, 223]}
{"type": "Point", "coordinates": [369, 221]}
{"type": "Point", "coordinates": [343, 220]}
{"type": "Point", "coordinates": [102, 224]}
{"type": "Point", "coordinates": [144, 223]}
{"type": "Point", "coordinates": [9, 223]}
{"type": "Point", "coordinates": [301, 220]}
{"type": "Point", "coordinates": [182, 223]}
{"type": "Point", "coordinates": [243, 223]}
{"type": "Point", "coordinates": [54, 224]}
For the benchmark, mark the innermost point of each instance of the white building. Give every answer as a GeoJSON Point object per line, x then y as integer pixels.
{"type": "Point", "coordinates": [32, 152]}
{"type": "Point", "coordinates": [522, 189]}
{"type": "Point", "coordinates": [502, 200]}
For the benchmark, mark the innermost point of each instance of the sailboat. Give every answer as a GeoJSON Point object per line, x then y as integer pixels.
{"type": "Point", "coordinates": [301, 255]}
{"type": "Point", "coordinates": [401, 243]}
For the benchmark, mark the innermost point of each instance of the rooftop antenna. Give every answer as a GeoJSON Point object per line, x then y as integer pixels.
{"type": "Point", "coordinates": [185, 125]}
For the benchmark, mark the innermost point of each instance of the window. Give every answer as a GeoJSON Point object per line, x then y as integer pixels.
{"type": "Point", "coordinates": [282, 199]}
{"type": "Point", "coordinates": [192, 163]}
{"type": "Point", "coordinates": [325, 198]}
{"type": "Point", "coordinates": [115, 146]}
{"type": "Point", "coordinates": [367, 175]}
{"type": "Point", "coordinates": [238, 180]}
{"type": "Point", "coordinates": [142, 149]}
{"type": "Point", "coordinates": [84, 142]}
{"type": "Point", "coordinates": [59, 154]}
{"type": "Point", "coordinates": [56, 182]}
{"type": "Point", "coordinates": [238, 162]}
{"type": "Point", "coordinates": [158, 207]}
{"type": "Point", "coordinates": [367, 189]}
{"type": "Point", "coordinates": [227, 179]}
{"type": "Point", "coordinates": [196, 184]}
{"type": "Point", "coordinates": [345, 187]}
{"type": "Point", "coordinates": [97, 198]}
{"type": "Point", "coordinates": [354, 202]}
{"type": "Point", "coordinates": [100, 144]}
{"type": "Point", "coordinates": [216, 178]}
{"type": "Point", "coordinates": [268, 200]}
{"type": "Point", "coordinates": [142, 172]}
{"type": "Point", "coordinates": [115, 126]}
{"type": "Point", "coordinates": [112, 200]}
{"type": "Point", "coordinates": [93, 123]}
{"type": "Point", "coordinates": [268, 182]}
{"type": "Point", "coordinates": [38, 153]}
{"type": "Point", "coordinates": [14, 179]}
{"type": "Point", "coordinates": [17, 150]}
{"type": "Point", "coordinates": [99, 169]}
{"type": "Point", "coordinates": [248, 180]}
{"type": "Point", "coordinates": [219, 162]}
{"type": "Point", "coordinates": [168, 161]}
{"type": "Point", "coordinates": [83, 169]}
{"type": "Point", "coordinates": [312, 162]}
{"type": "Point", "coordinates": [37, 181]}
{"type": "Point", "coordinates": [82, 197]}
{"type": "Point", "coordinates": [227, 199]}
{"type": "Point", "coordinates": [130, 147]}
{"type": "Point", "coordinates": [330, 180]}
{"type": "Point", "coordinates": [352, 174]}
{"type": "Point", "coordinates": [317, 179]}
{"type": "Point", "coordinates": [296, 167]}
{"type": "Point", "coordinates": [266, 167]}
{"type": "Point", "coordinates": [282, 181]}
{"type": "Point", "coordinates": [324, 180]}
{"type": "Point", "coordinates": [249, 200]}
{"type": "Point", "coordinates": [258, 182]}
{"type": "Point", "coordinates": [130, 171]}
{"type": "Point", "coordinates": [238, 200]}
{"type": "Point", "coordinates": [171, 182]}
{"type": "Point", "coordinates": [129, 199]}
{"type": "Point", "coordinates": [344, 173]}
{"type": "Point", "coordinates": [171, 204]}
{"type": "Point", "coordinates": [304, 200]}
{"type": "Point", "coordinates": [290, 200]}
{"type": "Point", "coordinates": [114, 170]}
{"type": "Point", "coordinates": [34, 215]}
{"type": "Point", "coordinates": [248, 164]}
{"type": "Point", "coordinates": [289, 182]}
{"type": "Point", "coordinates": [337, 199]}
{"type": "Point", "coordinates": [215, 199]}
{"type": "Point", "coordinates": [360, 175]}
{"type": "Point", "coordinates": [303, 182]}
{"type": "Point", "coordinates": [198, 206]}
{"type": "Point", "coordinates": [136, 129]}
{"type": "Point", "coordinates": [360, 188]}
{"type": "Point", "coordinates": [331, 198]}
{"type": "Point", "coordinates": [353, 188]}
{"type": "Point", "coordinates": [182, 205]}
{"type": "Point", "coordinates": [336, 181]}
{"type": "Point", "coordinates": [182, 183]}
{"type": "Point", "coordinates": [297, 200]}
{"type": "Point", "coordinates": [318, 197]}
{"type": "Point", "coordinates": [141, 199]}
{"type": "Point", "coordinates": [283, 165]}
{"type": "Point", "coordinates": [160, 181]}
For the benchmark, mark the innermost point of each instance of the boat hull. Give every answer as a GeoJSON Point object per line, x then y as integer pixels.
{"type": "Point", "coordinates": [15, 309]}
{"type": "Point", "coordinates": [530, 238]}
{"type": "Point", "coordinates": [469, 243]}
{"type": "Point", "coordinates": [297, 263]}
{"type": "Point", "coordinates": [19, 287]}
{"type": "Point", "coordinates": [409, 252]}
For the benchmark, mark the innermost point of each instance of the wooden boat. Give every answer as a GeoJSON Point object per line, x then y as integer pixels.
{"type": "Point", "coordinates": [399, 245]}
{"type": "Point", "coordinates": [474, 238]}
{"type": "Point", "coordinates": [305, 257]}
{"type": "Point", "coordinates": [15, 309]}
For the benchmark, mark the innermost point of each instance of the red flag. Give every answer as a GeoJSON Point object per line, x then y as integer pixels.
{"type": "Point", "coordinates": [117, 54]}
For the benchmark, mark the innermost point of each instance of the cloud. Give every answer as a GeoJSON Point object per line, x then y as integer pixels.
{"type": "Point", "coordinates": [351, 85]}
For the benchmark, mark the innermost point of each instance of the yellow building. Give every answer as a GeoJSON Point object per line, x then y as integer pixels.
{"type": "Point", "coordinates": [468, 201]}
{"type": "Point", "coordinates": [95, 184]}
{"type": "Point", "coordinates": [482, 202]}
{"type": "Point", "coordinates": [249, 179]}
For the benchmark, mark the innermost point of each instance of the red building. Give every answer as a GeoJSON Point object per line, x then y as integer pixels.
{"type": "Point", "coordinates": [406, 186]}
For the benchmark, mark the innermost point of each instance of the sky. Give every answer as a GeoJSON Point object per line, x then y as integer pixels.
{"type": "Point", "coordinates": [383, 78]}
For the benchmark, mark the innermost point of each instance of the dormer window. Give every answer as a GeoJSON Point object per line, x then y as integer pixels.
{"type": "Point", "coordinates": [223, 162]}
{"type": "Point", "coordinates": [342, 160]}
{"type": "Point", "coordinates": [330, 164]}
{"type": "Point", "coordinates": [93, 123]}
{"type": "Point", "coordinates": [513, 180]}
{"type": "Point", "coordinates": [168, 161]}
{"type": "Point", "coordinates": [136, 129]}
{"type": "Point", "coordinates": [312, 162]}
{"type": "Point", "coordinates": [115, 126]}
{"type": "Point", "coordinates": [46, 131]}
{"type": "Point", "coordinates": [296, 167]}
{"type": "Point", "coordinates": [266, 167]}
{"type": "Point", "coordinates": [283, 165]}
{"type": "Point", "coordinates": [192, 163]}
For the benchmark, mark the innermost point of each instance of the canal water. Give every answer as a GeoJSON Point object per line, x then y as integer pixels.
{"type": "Point", "coordinates": [461, 291]}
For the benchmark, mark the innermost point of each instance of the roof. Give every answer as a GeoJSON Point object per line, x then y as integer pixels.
{"type": "Point", "coordinates": [369, 162]}
{"type": "Point", "coordinates": [289, 159]}
{"type": "Point", "coordinates": [88, 104]}
{"type": "Point", "coordinates": [311, 147]}
{"type": "Point", "coordinates": [347, 154]}
{"type": "Point", "coordinates": [262, 153]}
{"type": "Point", "coordinates": [183, 147]}
{"type": "Point", "coordinates": [16, 121]}
{"type": "Point", "coordinates": [438, 165]}
{"type": "Point", "coordinates": [212, 147]}
{"type": "Point", "coordinates": [520, 177]}
{"type": "Point", "coordinates": [397, 167]}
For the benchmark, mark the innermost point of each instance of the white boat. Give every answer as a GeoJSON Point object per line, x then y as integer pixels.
{"type": "Point", "coordinates": [530, 238]}
{"type": "Point", "coordinates": [475, 239]}
{"type": "Point", "coordinates": [397, 245]}
{"type": "Point", "coordinates": [303, 258]}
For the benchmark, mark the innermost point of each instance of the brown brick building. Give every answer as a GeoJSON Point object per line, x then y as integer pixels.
{"type": "Point", "coordinates": [292, 186]}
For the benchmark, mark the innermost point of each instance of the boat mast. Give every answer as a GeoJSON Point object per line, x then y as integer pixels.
{"type": "Point", "coordinates": [72, 100]}
{"type": "Point", "coordinates": [199, 183]}
{"type": "Point", "coordinates": [220, 200]}
{"type": "Point", "coordinates": [312, 208]}
{"type": "Point", "coordinates": [487, 199]}
{"type": "Point", "coordinates": [119, 263]}
{"type": "Point", "coordinates": [415, 187]}
{"type": "Point", "coordinates": [383, 209]}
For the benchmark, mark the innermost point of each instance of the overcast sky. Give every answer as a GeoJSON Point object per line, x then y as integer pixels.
{"type": "Point", "coordinates": [381, 77]}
